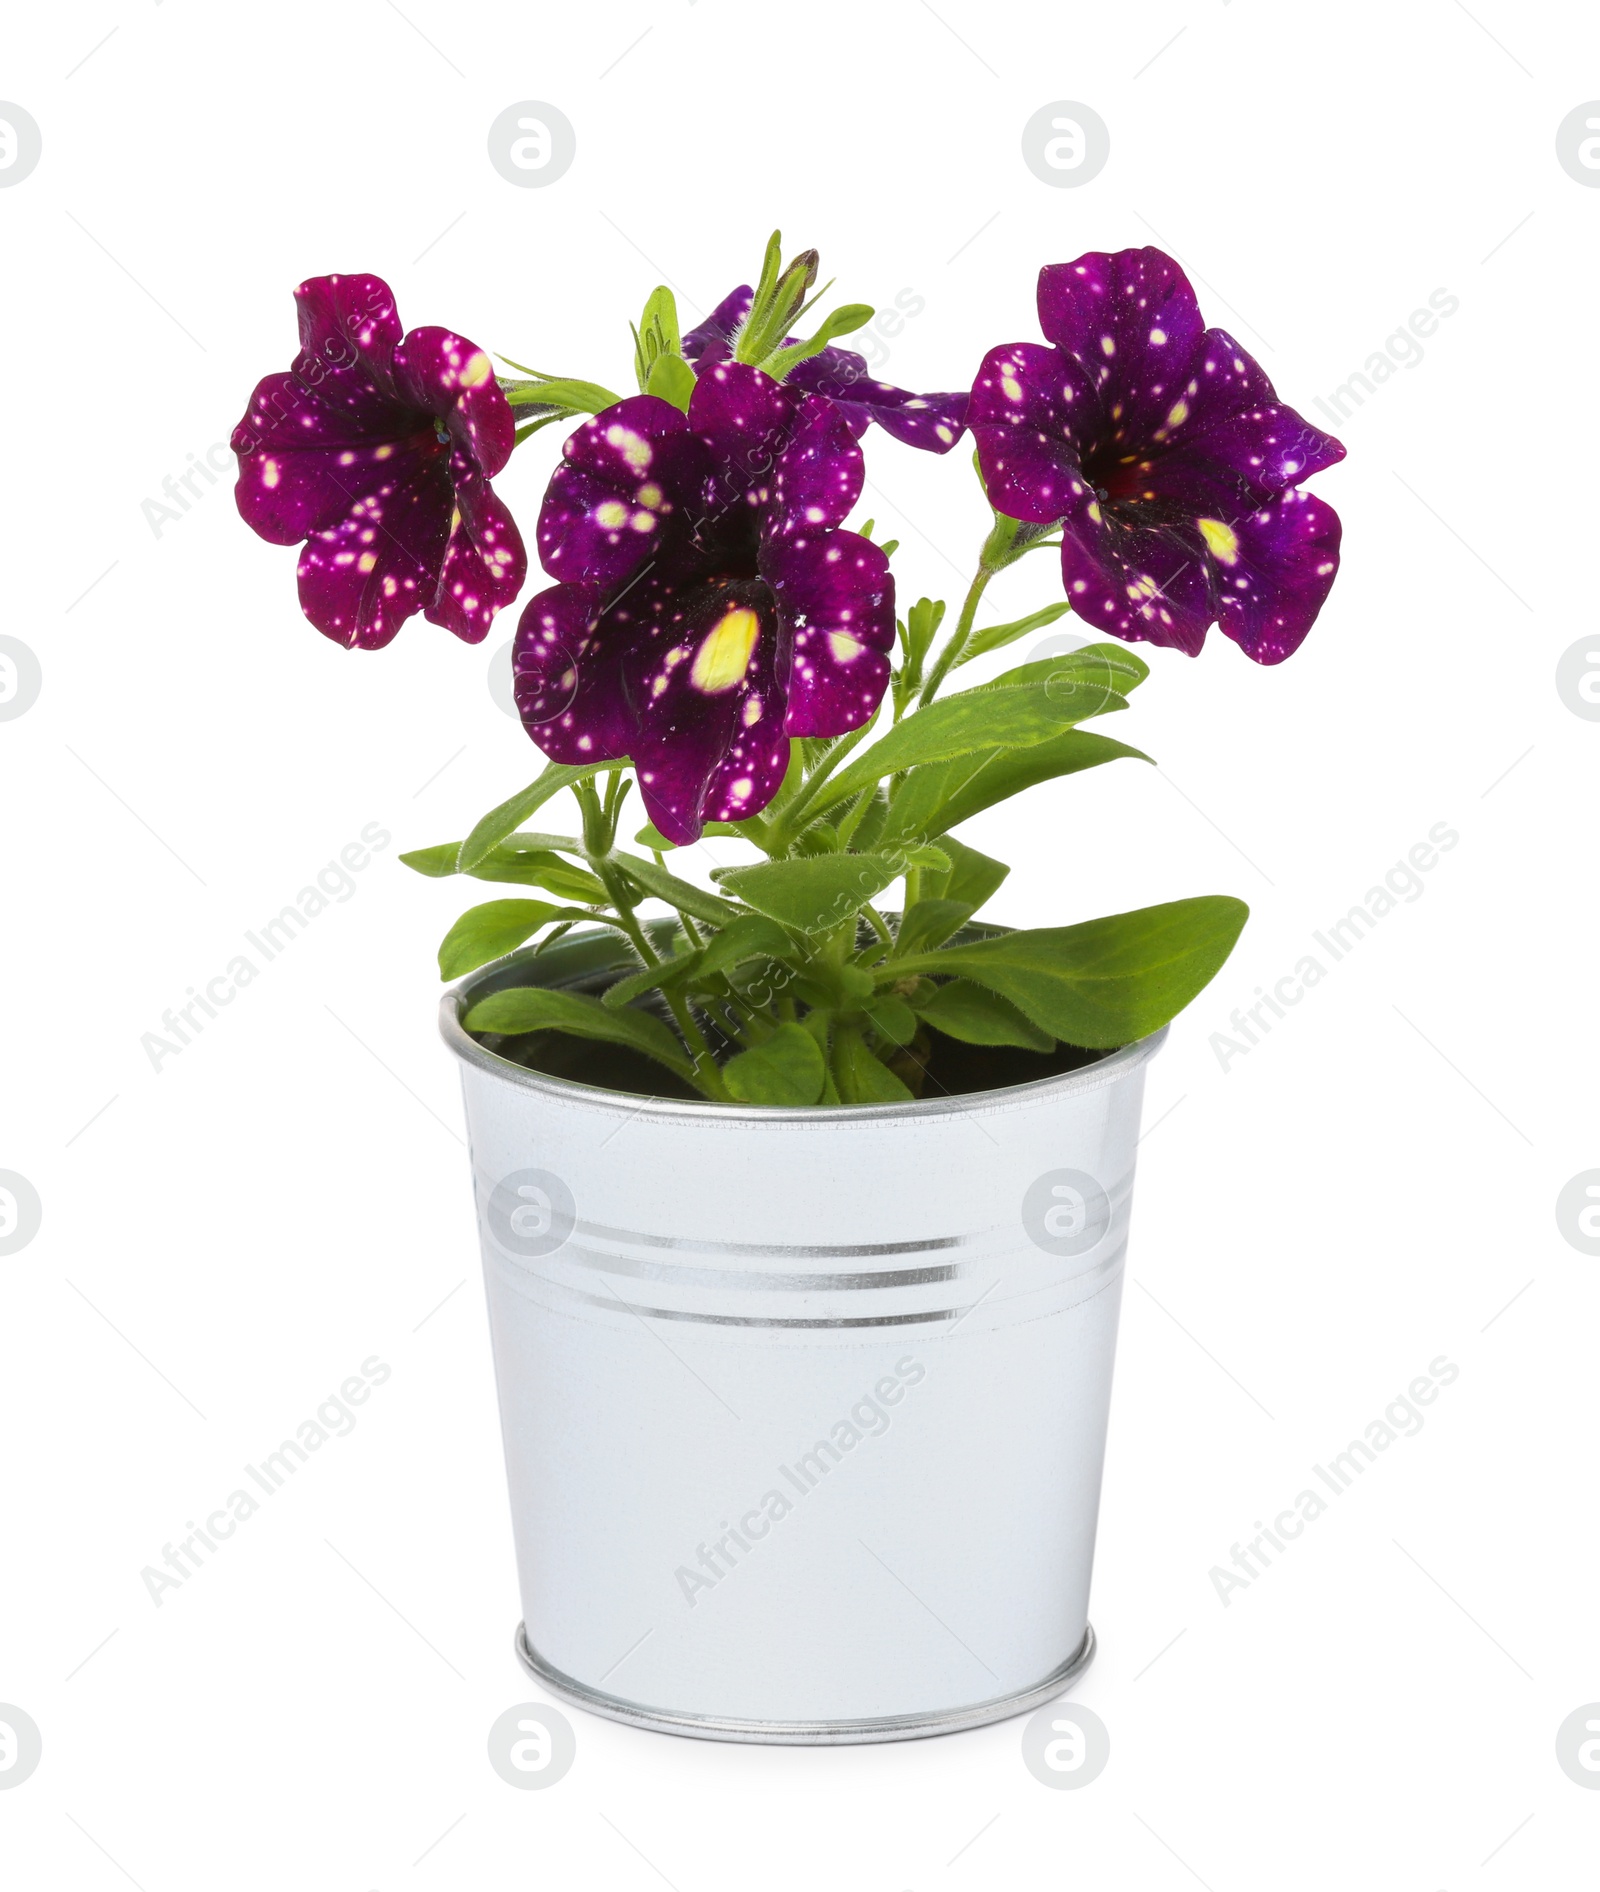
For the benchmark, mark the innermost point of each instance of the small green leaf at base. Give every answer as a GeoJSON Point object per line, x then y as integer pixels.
{"type": "Point", "coordinates": [486, 932]}
{"type": "Point", "coordinates": [860, 1077]}
{"type": "Point", "coordinates": [979, 1017]}
{"type": "Point", "coordinates": [812, 893]}
{"type": "Point", "coordinates": [787, 1071]}
{"type": "Point", "coordinates": [533, 1008]}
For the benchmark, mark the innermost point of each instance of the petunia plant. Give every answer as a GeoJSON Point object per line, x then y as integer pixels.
{"type": "Point", "coordinates": [716, 634]}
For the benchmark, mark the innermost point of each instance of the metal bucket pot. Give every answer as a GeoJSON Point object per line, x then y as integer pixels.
{"type": "Point", "coordinates": [804, 1410]}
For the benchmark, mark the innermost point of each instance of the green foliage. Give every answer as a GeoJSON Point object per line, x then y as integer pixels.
{"type": "Point", "coordinates": [535, 1008]}
{"type": "Point", "coordinates": [1106, 982]}
{"type": "Point", "coordinates": [787, 1069]}
{"type": "Point", "coordinates": [977, 1016]}
{"type": "Point", "coordinates": [487, 932]}
{"type": "Point", "coordinates": [785, 986]}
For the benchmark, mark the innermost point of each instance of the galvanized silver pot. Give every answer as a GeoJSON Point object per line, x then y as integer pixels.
{"type": "Point", "coordinates": [804, 1410]}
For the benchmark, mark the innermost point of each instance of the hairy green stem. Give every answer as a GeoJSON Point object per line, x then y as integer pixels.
{"type": "Point", "coordinates": [790, 822]}
{"type": "Point", "coordinates": [958, 638]}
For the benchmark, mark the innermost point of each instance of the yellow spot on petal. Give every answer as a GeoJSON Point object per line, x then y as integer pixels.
{"type": "Point", "coordinates": [752, 712]}
{"type": "Point", "coordinates": [1010, 388]}
{"type": "Point", "coordinates": [649, 494]}
{"type": "Point", "coordinates": [366, 562]}
{"type": "Point", "coordinates": [383, 452]}
{"type": "Point", "coordinates": [477, 371]}
{"type": "Point", "coordinates": [1108, 344]}
{"type": "Point", "coordinates": [634, 448]}
{"type": "Point", "coordinates": [723, 658]}
{"type": "Point", "coordinates": [611, 513]}
{"type": "Point", "coordinates": [846, 649]}
{"type": "Point", "coordinates": [1179, 414]}
{"type": "Point", "coordinates": [269, 473]}
{"type": "Point", "coordinates": [1093, 510]}
{"type": "Point", "coordinates": [1221, 539]}
{"type": "Point", "coordinates": [642, 521]}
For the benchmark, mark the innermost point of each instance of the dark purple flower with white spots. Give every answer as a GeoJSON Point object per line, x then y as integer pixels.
{"type": "Point", "coordinates": [931, 421]}
{"type": "Point", "coordinates": [709, 605]}
{"type": "Point", "coordinates": [377, 451]}
{"type": "Point", "coordinates": [1166, 457]}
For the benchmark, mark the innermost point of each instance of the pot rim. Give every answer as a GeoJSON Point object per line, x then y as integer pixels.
{"type": "Point", "coordinates": [1087, 1077]}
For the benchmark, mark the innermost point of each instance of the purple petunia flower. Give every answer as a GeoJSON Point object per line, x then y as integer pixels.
{"type": "Point", "coordinates": [378, 452]}
{"type": "Point", "coordinates": [709, 607]}
{"type": "Point", "coordinates": [932, 421]}
{"type": "Point", "coordinates": [1162, 450]}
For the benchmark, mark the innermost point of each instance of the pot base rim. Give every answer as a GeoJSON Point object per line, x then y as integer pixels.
{"type": "Point", "coordinates": [845, 1733]}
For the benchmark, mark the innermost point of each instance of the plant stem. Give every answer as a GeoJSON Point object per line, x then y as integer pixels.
{"type": "Point", "coordinates": [963, 630]}
{"type": "Point", "coordinates": [791, 820]}
{"type": "Point", "coordinates": [879, 925]}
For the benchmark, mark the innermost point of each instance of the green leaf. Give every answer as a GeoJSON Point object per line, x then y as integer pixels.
{"type": "Point", "coordinates": [1091, 670]}
{"type": "Point", "coordinates": [980, 1017]}
{"type": "Point", "coordinates": [672, 379]}
{"type": "Point", "coordinates": [930, 923]}
{"type": "Point", "coordinates": [973, 879]}
{"type": "Point", "coordinates": [788, 1070]}
{"type": "Point", "coordinates": [1106, 982]}
{"type": "Point", "coordinates": [526, 860]}
{"type": "Point", "coordinates": [753, 937]}
{"type": "Point", "coordinates": [870, 823]}
{"type": "Point", "coordinates": [948, 799]}
{"type": "Point", "coordinates": [860, 1077]}
{"type": "Point", "coordinates": [661, 314]}
{"type": "Point", "coordinates": [997, 636]}
{"type": "Point", "coordinates": [497, 927]}
{"type": "Point", "coordinates": [575, 397]}
{"type": "Point", "coordinates": [533, 1008]}
{"type": "Point", "coordinates": [812, 893]}
{"type": "Point", "coordinates": [843, 321]}
{"type": "Point", "coordinates": [650, 835]}
{"type": "Point", "coordinates": [893, 1018]}
{"type": "Point", "coordinates": [647, 979]}
{"type": "Point", "coordinates": [921, 627]}
{"type": "Point", "coordinates": [510, 815]}
{"type": "Point", "coordinates": [682, 894]}
{"type": "Point", "coordinates": [1002, 714]}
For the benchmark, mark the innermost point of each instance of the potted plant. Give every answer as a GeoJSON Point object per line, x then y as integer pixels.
{"type": "Point", "coordinates": [804, 1205]}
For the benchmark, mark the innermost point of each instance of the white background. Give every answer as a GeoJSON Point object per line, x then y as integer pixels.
{"type": "Point", "coordinates": [1370, 1187]}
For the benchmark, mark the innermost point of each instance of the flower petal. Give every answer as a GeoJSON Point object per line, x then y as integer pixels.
{"type": "Point", "coordinates": [567, 677]}
{"type": "Point", "coordinates": [818, 475]}
{"type": "Point", "coordinates": [1273, 584]}
{"type": "Point", "coordinates": [442, 373]}
{"type": "Point", "coordinates": [285, 494]}
{"type": "Point", "coordinates": [711, 709]}
{"type": "Point", "coordinates": [744, 418]}
{"type": "Point", "coordinates": [363, 577]}
{"type": "Point", "coordinates": [837, 594]}
{"type": "Point", "coordinates": [619, 492]}
{"type": "Point", "coordinates": [349, 328]}
{"type": "Point", "coordinates": [1131, 320]}
{"type": "Point", "coordinates": [1148, 584]}
{"type": "Point", "coordinates": [934, 422]}
{"type": "Point", "coordinates": [484, 563]}
{"type": "Point", "coordinates": [1033, 413]}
